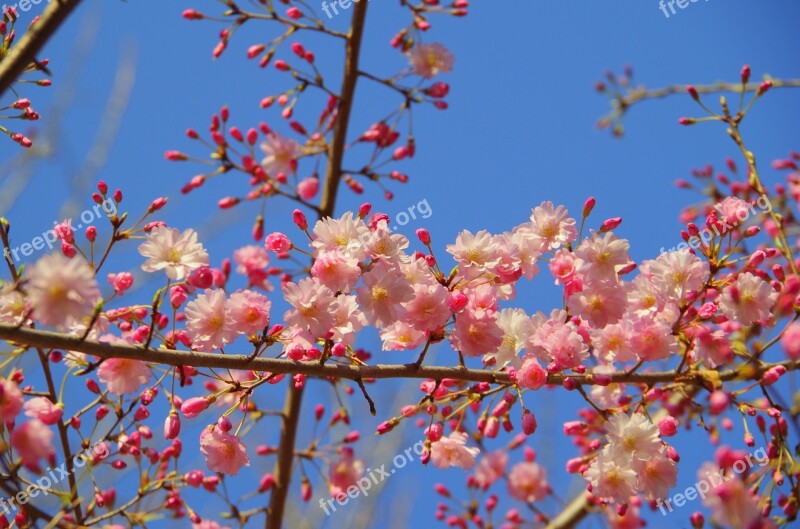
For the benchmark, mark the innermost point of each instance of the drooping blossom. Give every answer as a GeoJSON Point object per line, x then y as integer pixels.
{"type": "Point", "coordinates": [527, 482]}
{"type": "Point", "coordinates": [280, 155]}
{"type": "Point", "coordinates": [177, 253]}
{"type": "Point", "coordinates": [224, 452]}
{"type": "Point", "coordinates": [33, 441]}
{"type": "Point", "coordinates": [208, 322]}
{"type": "Point", "coordinates": [748, 300]}
{"type": "Point", "coordinates": [476, 333]}
{"type": "Point", "coordinates": [61, 290]}
{"type": "Point", "coordinates": [552, 226]}
{"type": "Point", "coordinates": [428, 60]}
{"type": "Point", "coordinates": [491, 467]}
{"type": "Point", "coordinates": [43, 409]}
{"type": "Point", "coordinates": [347, 233]}
{"type": "Point", "coordinates": [247, 312]}
{"type": "Point", "coordinates": [451, 451]}
{"type": "Point", "coordinates": [123, 376]}
{"type": "Point", "coordinates": [635, 435]}
{"type": "Point", "coordinates": [11, 400]}
{"type": "Point", "coordinates": [312, 304]}
{"type": "Point", "coordinates": [343, 473]}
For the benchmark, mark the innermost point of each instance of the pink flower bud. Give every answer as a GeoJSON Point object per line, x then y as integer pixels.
{"type": "Point", "coordinates": [278, 242]}
{"type": "Point", "coordinates": [194, 406]}
{"type": "Point", "coordinates": [531, 375]}
{"type": "Point", "coordinates": [65, 232]}
{"type": "Point", "coordinates": [300, 220]}
{"type": "Point", "coordinates": [588, 206]}
{"type": "Point", "coordinates": [718, 401]}
{"type": "Point", "coordinates": [435, 432]}
{"type": "Point", "coordinates": [773, 374]}
{"type": "Point", "coordinates": [456, 301]}
{"type": "Point", "coordinates": [121, 282]}
{"type": "Point", "coordinates": [201, 278]}
{"type": "Point", "coordinates": [224, 424]}
{"type": "Point", "coordinates": [266, 483]}
{"type": "Point", "coordinates": [424, 236]}
{"type": "Point", "coordinates": [528, 422]}
{"type": "Point", "coordinates": [442, 490]}
{"type": "Point", "coordinates": [177, 296]}
{"type": "Point", "coordinates": [790, 341]}
{"type": "Point", "coordinates": [68, 250]}
{"type": "Point", "coordinates": [308, 187]}
{"type": "Point", "coordinates": [668, 426]}
{"type": "Point", "coordinates": [610, 224]}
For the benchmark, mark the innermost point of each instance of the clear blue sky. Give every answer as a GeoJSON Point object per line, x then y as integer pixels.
{"type": "Point", "coordinates": [521, 129]}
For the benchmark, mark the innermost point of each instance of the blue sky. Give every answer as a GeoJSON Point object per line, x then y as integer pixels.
{"type": "Point", "coordinates": [520, 130]}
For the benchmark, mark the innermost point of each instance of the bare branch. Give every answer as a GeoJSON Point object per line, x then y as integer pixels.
{"type": "Point", "coordinates": [21, 55]}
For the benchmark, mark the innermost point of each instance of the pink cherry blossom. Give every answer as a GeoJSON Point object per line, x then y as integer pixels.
{"type": "Point", "coordinates": [280, 155]}
{"type": "Point", "coordinates": [552, 226]}
{"type": "Point", "coordinates": [527, 482]}
{"type": "Point", "coordinates": [33, 441]}
{"type": "Point", "coordinates": [62, 291]}
{"type": "Point", "coordinates": [43, 409]}
{"type": "Point", "coordinates": [208, 321]}
{"type": "Point", "coordinates": [177, 253]}
{"type": "Point", "coordinates": [451, 451]}
{"type": "Point", "coordinates": [336, 270]}
{"type": "Point", "coordinates": [401, 336]}
{"type": "Point", "coordinates": [476, 333]}
{"type": "Point", "coordinates": [224, 452]}
{"type": "Point", "coordinates": [123, 376]}
{"type": "Point", "coordinates": [247, 312]}
{"type": "Point", "coordinates": [748, 300]}
{"type": "Point", "coordinates": [347, 233]}
{"type": "Point", "coordinates": [491, 467]}
{"type": "Point", "coordinates": [11, 400]}
{"type": "Point", "coordinates": [312, 303]}
{"type": "Point", "coordinates": [344, 472]}
{"type": "Point", "coordinates": [382, 296]}
{"type": "Point", "coordinates": [429, 60]}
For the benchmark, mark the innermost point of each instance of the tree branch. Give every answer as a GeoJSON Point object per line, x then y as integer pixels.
{"type": "Point", "coordinates": [51, 340]}
{"type": "Point", "coordinates": [22, 54]}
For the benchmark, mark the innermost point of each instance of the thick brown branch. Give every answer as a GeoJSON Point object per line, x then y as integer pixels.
{"type": "Point", "coordinates": [337, 145]}
{"type": "Point", "coordinates": [51, 340]}
{"type": "Point", "coordinates": [24, 52]}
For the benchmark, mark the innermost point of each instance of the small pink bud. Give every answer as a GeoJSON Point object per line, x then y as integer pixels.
{"type": "Point", "coordinates": [300, 220]}
{"type": "Point", "coordinates": [172, 426]}
{"type": "Point", "coordinates": [194, 406]}
{"type": "Point", "coordinates": [278, 242]}
{"type": "Point", "coordinates": [224, 424]}
{"type": "Point", "coordinates": [201, 278]}
{"type": "Point", "coordinates": [718, 402]}
{"type": "Point", "coordinates": [668, 426]}
{"type": "Point", "coordinates": [528, 422]}
{"type": "Point", "coordinates": [424, 236]}
{"type": "Point", "coordinates": [456, 301]}
{"type": "Point", "coordinates": [610, 224]}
